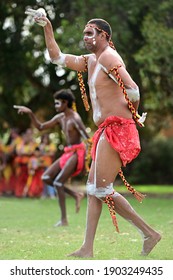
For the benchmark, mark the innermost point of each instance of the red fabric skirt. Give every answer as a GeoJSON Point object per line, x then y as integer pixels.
{"type": "Point", "coordinates": [122, 135]}
{"type": "Point", "coordinates": [69, 151]}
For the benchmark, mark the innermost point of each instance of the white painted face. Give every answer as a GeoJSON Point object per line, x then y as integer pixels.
{"type": "Point", "coordinates": [58, 103]}
{"type": "Point", "coordinates": [90, 36]}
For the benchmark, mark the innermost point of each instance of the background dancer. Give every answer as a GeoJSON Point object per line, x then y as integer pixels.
{"type": "Point", "coordinates": [72, 162]}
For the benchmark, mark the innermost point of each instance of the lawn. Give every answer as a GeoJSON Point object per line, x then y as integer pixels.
{"type": "Point", "coordinates": [27, 231]}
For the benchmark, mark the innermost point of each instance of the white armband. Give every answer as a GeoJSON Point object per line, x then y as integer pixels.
{"type": "Point", "coordinates": [60, 60]}
{"type": "Point", "coordinates": [133, 94]}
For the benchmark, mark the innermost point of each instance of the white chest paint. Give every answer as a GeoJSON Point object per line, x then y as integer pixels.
{"type": "Point", "coordinates": [93, 93]}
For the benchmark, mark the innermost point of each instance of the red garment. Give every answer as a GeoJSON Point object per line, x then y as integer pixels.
{"type": "Point", "coordinates": [69, 151]}
{"type": "Point", "coordinates": [36, 187]}
{"type": "Point", "coordinates": [2, 184]}
{"type": "Point", "coordinates": [123, 136]}
{"type": "Point", "coordinates": [21, 180]}
{"type": "Point", "coordinates": [10, 184]}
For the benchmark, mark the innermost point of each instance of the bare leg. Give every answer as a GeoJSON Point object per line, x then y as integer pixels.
{"type": "Point", "coordinates": [150, 236]}
{"type": "Point", "coordinates": [78, 196]}
{"type": "Point", "coordinates": [98, 176]}
{"type": "Point", "coordinates": [103, 177]}
{"type": "Point", "coordinates": [93, 215]}
{"type": "Point", "coordinates": [61, 197]}
{"type": "Point", "coordinates": [58, 183]}
{"type": "Point", "coordinates": [51, 172]}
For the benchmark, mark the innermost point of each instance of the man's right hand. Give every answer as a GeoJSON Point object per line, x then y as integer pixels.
{"type": "Point", "coordinates": [38, 15]}
{"type": "Point", "coordinates": [22, 109]}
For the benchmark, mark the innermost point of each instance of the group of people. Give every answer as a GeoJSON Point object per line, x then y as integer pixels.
{"type": "Point", "coordinates": [115, 100]}
{"type": "Point", "coordinates": [23, 161]}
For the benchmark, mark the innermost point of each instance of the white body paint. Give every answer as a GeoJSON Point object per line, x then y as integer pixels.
{"type": "Point", "coordinates": [139, 230]}
{"type": "Point", "coordinates": [92, 188]}
{"type": "Point", "coordinates": [132, 93]}
{"type": "Point", "coordinates": [96, 108]}
{"type": "Point", "coordinates": [60, 60]}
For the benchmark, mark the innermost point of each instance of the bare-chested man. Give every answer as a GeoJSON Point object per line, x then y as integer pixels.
{"type": "Point", "coordinates": [71, 163]}
{"type": "Point", "coordinates": [115, 99]}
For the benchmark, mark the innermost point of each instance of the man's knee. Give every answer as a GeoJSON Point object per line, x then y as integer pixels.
{"type": "Point", "coordinates": [57, 184]}
{"type": "Point", "coordinates": [46, 179]}
{"type": "Point", "coordinates": [101, 192]}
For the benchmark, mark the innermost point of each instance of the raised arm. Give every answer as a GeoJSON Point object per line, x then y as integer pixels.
{"type": "Point", "coordinates": [52, 46]}
{"type": "Point", "coordinates": [73, 62]}
{"type": "Point", "coordinates": [40, 126]}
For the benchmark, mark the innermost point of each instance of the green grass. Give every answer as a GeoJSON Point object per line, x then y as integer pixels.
{"type": "Point", "coordinates": [150, 189]}
{"type": "Point", "coordinates": [27, 232]}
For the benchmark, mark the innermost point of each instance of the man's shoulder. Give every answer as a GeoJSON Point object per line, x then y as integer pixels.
{"type": "Point", "coordinates": [110, 57]}
{"type": "Point", "coordinates": [76, 116]}
{"type": "Point", "coordinates": [91, 57]}
{"type": "Point", "coordinates": [58, 116]}
{"type": "Point", "coordinates": [109, 54]}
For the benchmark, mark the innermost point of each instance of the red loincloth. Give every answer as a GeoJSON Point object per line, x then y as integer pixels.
{"type": "Point", "coordinates": [69, 151]}
{"type": "Point", "coordinates": [123, 136]}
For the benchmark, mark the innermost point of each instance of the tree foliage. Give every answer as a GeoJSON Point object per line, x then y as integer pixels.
{"type": "Point", "coordinates": [142, 33]}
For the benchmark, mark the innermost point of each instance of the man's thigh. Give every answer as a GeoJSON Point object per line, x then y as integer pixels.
{"type": "Point", "coordinates": [107, 163]}
{"type": "Point", "coordinates": [53, 169]}
{"type": "Point", "coordinates": [68, 169]}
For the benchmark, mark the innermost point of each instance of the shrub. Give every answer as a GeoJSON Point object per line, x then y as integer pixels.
{"type": "Point", "coordinates": [154, 165]}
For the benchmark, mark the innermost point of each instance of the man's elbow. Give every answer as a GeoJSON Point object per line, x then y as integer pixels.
{"type": "Point", "coordinates": [40, 127]}
{"type": "Point", "coordinates": [59, 60]}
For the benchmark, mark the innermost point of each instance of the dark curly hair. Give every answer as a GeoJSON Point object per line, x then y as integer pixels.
{"type": "Point", "coordinates": [65, 94]}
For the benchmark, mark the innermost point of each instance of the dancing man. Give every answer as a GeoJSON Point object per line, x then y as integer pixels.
{"type": "Point", "coordinates": [115, 100]}
{"type": "Point", "coordinates": [72, 162]}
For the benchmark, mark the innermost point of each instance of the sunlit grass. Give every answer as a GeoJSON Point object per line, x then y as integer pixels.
{"type": "Point", "coordinates": [153, 189]}
{"type": "Point", "coordinates": [27, 232]}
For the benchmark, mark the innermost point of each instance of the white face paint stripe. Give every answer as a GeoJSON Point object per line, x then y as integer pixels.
{"type": "Point", "coordinates": [58, 103]}
{"type": "Point", "coordinates": [90, 36]}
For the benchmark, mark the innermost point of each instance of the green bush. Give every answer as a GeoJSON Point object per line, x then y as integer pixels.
{"type": "Point", "coordinates": [154, 165]}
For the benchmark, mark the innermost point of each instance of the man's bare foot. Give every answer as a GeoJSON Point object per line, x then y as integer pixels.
{"type": "Point", "coordinates": [79, 197]}
{"type": "Point", "coordinates": [61, 224]}
{"type": "Point", "coordinates": [82, 253]}
{"type": "Point", "coordinates": [149, 243]}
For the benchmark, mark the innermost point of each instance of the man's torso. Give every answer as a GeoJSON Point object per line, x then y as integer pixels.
{"type": "Point", "coordinates": [106, 96]}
